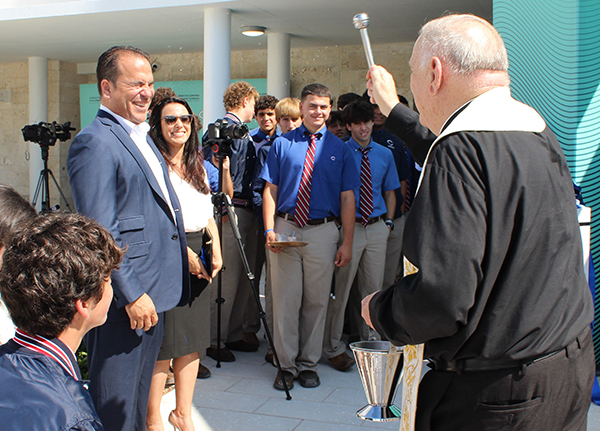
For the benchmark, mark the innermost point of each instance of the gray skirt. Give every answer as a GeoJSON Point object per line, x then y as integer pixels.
{"type": "Point", "coordinates": [187, 328]}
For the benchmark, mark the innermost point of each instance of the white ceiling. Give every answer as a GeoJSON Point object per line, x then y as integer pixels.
{"type": "Point", "coordinates": [78, 31]}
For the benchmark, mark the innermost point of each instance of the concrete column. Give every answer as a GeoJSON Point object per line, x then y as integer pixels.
{"type": "Point", "coordinates": [217, 62]}
{"type": "Point", "coordinates": [38, 111]}
{"type": "Point", "coordinates": [278, 65]}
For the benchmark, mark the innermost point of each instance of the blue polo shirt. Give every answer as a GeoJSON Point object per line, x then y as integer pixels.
{"type": "Point", "coordinates": [383, 174]}
{"type": "Point", "coordinates": [396, 146]}
{"type": "Point", "coordinates": [262, 145]}
{"type": "Point", "coordinates": [334, 171]}
{"type": "Point", "coordinates": [260, 138]}
{"type": "Point", "coordinates": [212, 174]}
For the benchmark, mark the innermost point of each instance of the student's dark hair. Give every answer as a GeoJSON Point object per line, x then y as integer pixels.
{"type": "Point", "coordinates": [265, 102]}
{"type": "Point", "coordinates": [192, 159]}
{"type": "Point", "coordinates": [345, 99]}
{"type": "Point", "coordinates": [318, 90]}
{"type": "Point", "coordinates": [335, 117]}
{"type": "Point", "coordinates": [358, 112]}
{"type": "Point", "coordinates": [52, 262]}
{"type": "Point", "coordinates": [108, 63]}
{"type": "Point", "coordinates": [14, 211]}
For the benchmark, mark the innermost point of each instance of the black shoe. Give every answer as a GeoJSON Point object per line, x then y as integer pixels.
{"type": "Point", "coordinates": [226, 355]}
{"type": "Point", "coordinates": [203, 372]}
{"type": "Point", "coordinates": [309, 379]}
{"type": "Point", "coordinates": [242, 346]}
{"type": "Point", "coordinates": [269, 358]}
{"type": "Point", "coordinates": [289, 380]}
{"type": "Point", "coordinates": [342, 362]}
{"type": "Point", "coordinates": [251, 338]}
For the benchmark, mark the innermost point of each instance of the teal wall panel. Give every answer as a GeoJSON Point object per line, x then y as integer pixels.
{"type": "Point", "coordinates": [554, 53]}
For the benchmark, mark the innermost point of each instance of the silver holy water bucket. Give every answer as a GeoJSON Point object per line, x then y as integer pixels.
{"type": "Point", "coordinates": [380, 366]}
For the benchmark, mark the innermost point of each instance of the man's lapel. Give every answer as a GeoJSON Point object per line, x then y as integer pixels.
{"type": "Point", "coordinates": [128, 143]}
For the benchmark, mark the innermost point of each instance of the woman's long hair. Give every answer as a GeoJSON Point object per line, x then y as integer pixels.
{"type": "Point", "coordinates": [193, 162]}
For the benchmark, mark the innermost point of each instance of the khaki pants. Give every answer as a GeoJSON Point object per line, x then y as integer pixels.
{"type": "Point", "coordinates": [235, 286]}
{"type": "Point", "coordinates": [393, 254]}
{"type": "Point", "coordinates": [301, 281]}
{"type": "Point", "coordinates": [368, 251]}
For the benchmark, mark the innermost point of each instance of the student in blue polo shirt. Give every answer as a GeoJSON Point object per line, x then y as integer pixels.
{"type": "Point", "coordinates": [307, 158]}
{"type": "Point", "coordinates": [375, 207]}
{"type": "Point", "coordinates": [262, 137]}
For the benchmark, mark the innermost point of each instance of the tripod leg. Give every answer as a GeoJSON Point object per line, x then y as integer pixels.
{"type": "Point", "coordinates": [59, 190]}
{"type": "Point", "coordinates": [236, 233]}
{"type": "Point", "coordinates": [38, 189]}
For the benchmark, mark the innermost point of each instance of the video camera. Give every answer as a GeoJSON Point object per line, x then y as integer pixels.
{"type": "Point", "coordinates": [46, 134]}
{"type": "Point", "coordinates": [220, 136]}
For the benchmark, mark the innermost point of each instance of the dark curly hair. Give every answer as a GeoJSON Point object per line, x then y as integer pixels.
{"type": "Point", "coordinates": [265, 102]}
{"type": "Point", "coordinates": [193, 161]}
{"type": "Point", "coordinates": [52, 262]}
{"type": "Point", "coordinates": [14, 210]}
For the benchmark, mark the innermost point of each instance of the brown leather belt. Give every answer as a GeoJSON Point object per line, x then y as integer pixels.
{"type": "Point", "coordinates": [371, 220]}
{"type": "Point", "coordinates": [311, 222]}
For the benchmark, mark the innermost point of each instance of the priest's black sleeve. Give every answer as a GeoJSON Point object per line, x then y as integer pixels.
{"type": "Point", "coordinates": [404, 123]}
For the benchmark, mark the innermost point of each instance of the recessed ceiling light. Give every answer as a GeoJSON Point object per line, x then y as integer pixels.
{"type": "Point", "coordinates": [252, 30]}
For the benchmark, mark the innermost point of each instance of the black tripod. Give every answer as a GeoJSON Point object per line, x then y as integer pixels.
{"type": "Point", "coordinates": [221, 200]}
{"type": "Point", "coordinates": [43, 185]}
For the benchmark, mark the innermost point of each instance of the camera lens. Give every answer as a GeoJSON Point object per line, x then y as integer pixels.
{"type": "Point", "coordinates": [238, 131]}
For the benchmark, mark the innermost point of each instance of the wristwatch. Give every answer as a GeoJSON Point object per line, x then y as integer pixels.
{"type": "Point", "coordinates": [389, 223]}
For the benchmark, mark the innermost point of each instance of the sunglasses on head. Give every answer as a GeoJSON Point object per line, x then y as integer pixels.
{"type": "Point", "coordinates": [172, 119]}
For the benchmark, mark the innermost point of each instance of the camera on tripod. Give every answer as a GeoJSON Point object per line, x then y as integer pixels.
{"type": "Point", "coordinates": [220, 136]}
{"type": "Point", "coordinates": [46, 134]}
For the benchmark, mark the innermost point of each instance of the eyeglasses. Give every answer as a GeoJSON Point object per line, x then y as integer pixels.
{"type": "Point", "coordinates": [172, 119]}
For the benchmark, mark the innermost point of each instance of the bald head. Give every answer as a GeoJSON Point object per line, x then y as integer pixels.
{"type": "Point", "coordinates": [455, 59]}
{"type": "Point", "coordinates": [464, 43]}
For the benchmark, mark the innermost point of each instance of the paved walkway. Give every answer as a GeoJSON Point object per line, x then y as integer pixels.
{"type": "Point", "coordinates": [240, 397]}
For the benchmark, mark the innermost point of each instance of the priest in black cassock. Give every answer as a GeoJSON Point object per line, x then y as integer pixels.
{"type": "Point", "coordinates": [499, 297]}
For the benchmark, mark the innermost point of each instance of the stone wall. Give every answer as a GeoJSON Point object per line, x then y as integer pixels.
{"type": "Point", "coordinates": [14, 167]}
{"type": "Point", "coordinates": [341, 68]}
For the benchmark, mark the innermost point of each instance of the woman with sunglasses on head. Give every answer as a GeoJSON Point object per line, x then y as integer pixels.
{"type": "Point", "coordinates": [174, 130]}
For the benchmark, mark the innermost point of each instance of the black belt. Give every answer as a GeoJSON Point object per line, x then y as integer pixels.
{"type": "Point", "coordinates": [238, 202]}
{"type": "Point", "coordinates": [466, 365]}
{"type": "Point", "coordinates": [311, 222]}
{"type": "Point", "coordinates": [369, 221]}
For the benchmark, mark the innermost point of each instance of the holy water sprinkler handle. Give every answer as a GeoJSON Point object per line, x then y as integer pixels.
{"type": "Point", "coordinates": [361, 22]}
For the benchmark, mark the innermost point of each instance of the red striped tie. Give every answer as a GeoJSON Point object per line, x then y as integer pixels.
{"type": "Point", "coordinates": [303, 199]}
{"type": "Point", "coordinates": [366, 187]}
{"type": "Point", "coordinates": [408, 198]}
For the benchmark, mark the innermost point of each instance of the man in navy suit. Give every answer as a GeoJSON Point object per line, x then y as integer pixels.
{"type": "Point", "coordinates": [118, 177]}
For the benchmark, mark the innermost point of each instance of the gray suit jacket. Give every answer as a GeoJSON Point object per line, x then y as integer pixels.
{"type": "Point", "coordinates": [112, 183]}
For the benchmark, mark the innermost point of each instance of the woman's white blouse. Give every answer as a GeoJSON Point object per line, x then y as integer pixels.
{"type": "Point", "coordinates": [196, 208]}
